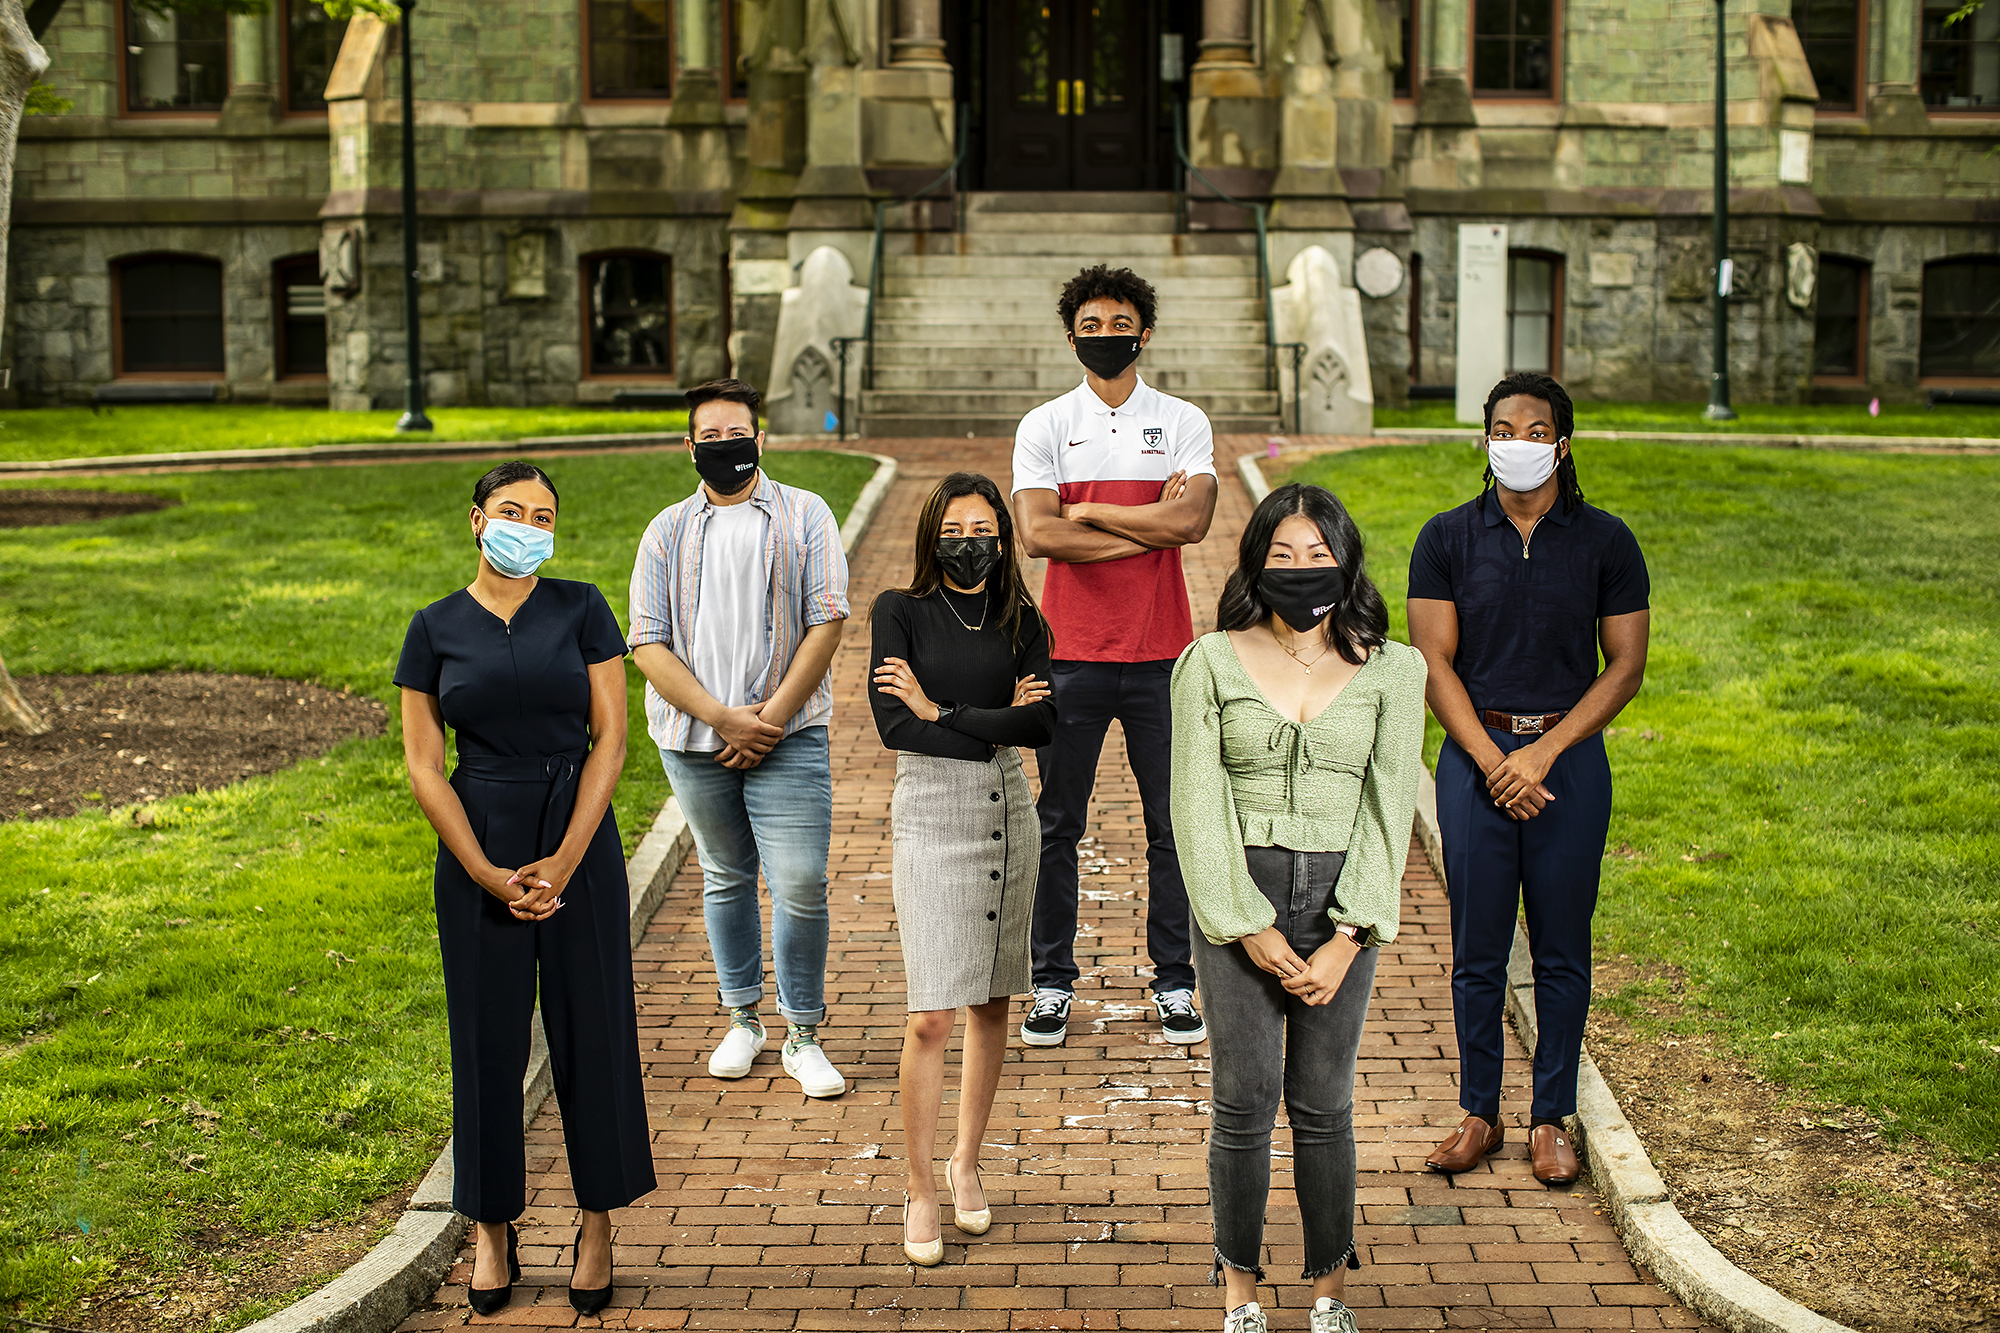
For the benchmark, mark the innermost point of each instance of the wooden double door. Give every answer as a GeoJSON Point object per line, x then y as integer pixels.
{"type": "Point", "coordinates": [1071, 94]}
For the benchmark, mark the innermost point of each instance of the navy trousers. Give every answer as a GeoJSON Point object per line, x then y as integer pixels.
{"type": "Point", "coordinates": [1088, 695]}
{"type": "Point", "coordinates": [1547, 867]}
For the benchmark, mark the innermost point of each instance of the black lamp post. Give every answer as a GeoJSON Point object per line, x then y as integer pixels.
{"type": "Point", "coordinates": [1718, 381]}
{"type": "Point", "coordinates": [413, 417]}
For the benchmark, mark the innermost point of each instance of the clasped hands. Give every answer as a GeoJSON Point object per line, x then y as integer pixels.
{"type": "Point", "coordinates": [746, 737]}
{"type": "Point", "coordinates": [895, 677]}
{"type": "Point", "coordinates": [532, 893]}
{"type": "Point", "coordinates": [1082, 510]}
{"type": "Point", "coordinates": [1315, 981]}
{"type": "Point", "coordinates": [1514, 780]}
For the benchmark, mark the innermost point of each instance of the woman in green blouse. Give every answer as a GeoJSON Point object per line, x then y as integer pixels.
{"type": "Point", "coordinates": [1298, 732]}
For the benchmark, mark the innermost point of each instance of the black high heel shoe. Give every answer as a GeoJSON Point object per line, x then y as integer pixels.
{"type": "Point", "coordinates": [587, 1302]}
{"type": "Point", "coordinates": [490, 1299]}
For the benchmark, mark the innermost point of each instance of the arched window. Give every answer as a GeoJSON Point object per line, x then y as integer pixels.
{"type": "Point", "coordinates": [628, 314]}
{"type": "Point", "coordinates": [1961, 328]}
{"type": "Point", "coordinates": [299, 316]}
{"type": "Point", "coordinates": [312, 42]}
{"type": "Point", "coordinates": [1534, 311]}
{"type": "Point", "coordinates": [168, 316]}
{"type": "Point", "coordinates": [1830, 31]}
{"type": "Point", "coordinates": [1840, 322]}
{"type": "Point", "coordinates": [175, 60]}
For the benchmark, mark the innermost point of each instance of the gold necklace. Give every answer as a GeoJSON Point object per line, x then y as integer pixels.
{"type": "Point", "coordinates": [984, 611]}
{"type": "Point", "coordinates": [1293, 654]}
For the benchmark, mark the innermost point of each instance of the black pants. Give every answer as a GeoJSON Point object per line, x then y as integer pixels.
{"type": "Point", "coordinates": [1088, 696]}
{"type": "Point", "coordinates": [583, 954]}
{"type": "Point", "coordinates": [1546, 867]}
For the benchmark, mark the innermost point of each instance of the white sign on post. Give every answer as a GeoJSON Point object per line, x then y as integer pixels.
{"type": "Point", "coordinates": [1482, 315]}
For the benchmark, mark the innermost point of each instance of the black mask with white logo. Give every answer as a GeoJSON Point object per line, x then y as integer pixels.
{"type": "Point", "coordinates": [1302, 598]}
{"type": "Point", "coordinates": [1106, 356]}
{"type": "Point", "coordinates": [727, 465]}
{"type": "Point", "coordinates": [966, 561]}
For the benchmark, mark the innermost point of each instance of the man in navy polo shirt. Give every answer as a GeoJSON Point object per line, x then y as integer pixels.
{"type": "Point", "coordinates": [1511, 598]}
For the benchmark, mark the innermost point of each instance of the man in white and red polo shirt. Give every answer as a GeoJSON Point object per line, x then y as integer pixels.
{"type": "Point", "coordinates": [1110, 481]}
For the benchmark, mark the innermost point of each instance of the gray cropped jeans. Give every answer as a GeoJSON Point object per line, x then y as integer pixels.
{"type": "Point", "coordinates": [1265, 1043]}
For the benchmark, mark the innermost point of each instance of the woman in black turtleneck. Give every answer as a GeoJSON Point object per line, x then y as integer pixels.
{"type": "Point", "coordinates": [961, 665]}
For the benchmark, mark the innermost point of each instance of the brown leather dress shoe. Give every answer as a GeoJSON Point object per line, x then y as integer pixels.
{"type": "Point", "coordinates": [1467, 1147]}
{"type": "Point", "coordinates": [1554, 1155]}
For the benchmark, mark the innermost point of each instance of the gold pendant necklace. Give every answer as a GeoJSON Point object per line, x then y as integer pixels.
{"type": "Point", "coordinates": [985, 610]}
{"type": "Point", "coordinates": [1293, 654]}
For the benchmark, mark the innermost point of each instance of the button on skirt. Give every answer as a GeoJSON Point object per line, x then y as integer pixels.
{"type": "Point", "coordinates": [968, 848]}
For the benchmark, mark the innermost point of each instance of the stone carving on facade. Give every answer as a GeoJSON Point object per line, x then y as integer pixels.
{"type": "Point", "coordinates": [1801, 274]}
{"type": "Point", "coordinates": [825, 305]}
{"type": "Point", "coordinates": [528, 265]}
{"type": "Point", "coordinates": [1378, 272]}
{"type": "Point", "coordinates": [1316, 308]}
{"type": "Point", "coordinates": [340, 261]}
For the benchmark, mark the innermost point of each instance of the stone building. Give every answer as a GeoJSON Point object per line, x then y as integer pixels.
{"type": "Point", "coordinates": [623, 196]}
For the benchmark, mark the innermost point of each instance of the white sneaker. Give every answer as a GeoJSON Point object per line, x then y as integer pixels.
{"type": "Point", "coordinates": [738, 1051]}
{"type": "Point", "coordinates": [1330, 1316]}
{"type": "Point", "coordinates": [816, 1075]}
{"type": "Point", "coordinates": [1246, 1319]}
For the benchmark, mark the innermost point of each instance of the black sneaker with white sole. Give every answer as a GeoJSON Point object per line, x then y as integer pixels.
{"type": "Point", "coordinates": [1047, 1022]}
{"type": "Point", "coordinates": [1179, 1022]}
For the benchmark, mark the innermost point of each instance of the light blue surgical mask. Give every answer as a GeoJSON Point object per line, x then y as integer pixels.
{"type": "Point", "coordinates": [515, 549]}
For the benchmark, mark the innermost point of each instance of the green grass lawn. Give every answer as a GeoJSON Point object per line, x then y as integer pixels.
{"type": "Point", "coordinates": [233, 1019]}
{"type": "Point", "coordinates": [1819, 419]}
{"type": "Point", "coordinates": [1809, 782]}
{"type": "Point", "coordinates": [39, 433]}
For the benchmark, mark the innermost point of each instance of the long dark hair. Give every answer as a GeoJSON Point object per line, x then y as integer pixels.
{"type": "Point", "coordinates": [1359, 623]}
{"type": "Point", "coordinates": [1534, 384]}
{"type": "Point", "coordinates": [928, 578]}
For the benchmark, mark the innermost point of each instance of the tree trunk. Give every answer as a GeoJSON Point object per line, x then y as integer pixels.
{"type": "Point", "coordinates": [22, 61]}
{"type": "Point", "coordinates": [16, 717]}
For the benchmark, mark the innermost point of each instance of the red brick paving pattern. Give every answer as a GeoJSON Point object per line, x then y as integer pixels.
{"type": "Point", "coordinates": [777, 1212]}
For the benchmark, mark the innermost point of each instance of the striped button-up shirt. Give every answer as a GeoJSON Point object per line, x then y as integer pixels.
{"type": "Point", "coordinates": [807, 572]}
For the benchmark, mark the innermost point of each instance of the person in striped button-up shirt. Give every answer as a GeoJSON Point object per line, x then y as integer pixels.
{"type": "Point", "coordinates": [739, 594]}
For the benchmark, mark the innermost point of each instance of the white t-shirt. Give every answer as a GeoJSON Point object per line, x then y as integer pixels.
{"type": "Point", "coordinates": [731, 651]}
{"type": "Point", "coordinates": [1083, 449]}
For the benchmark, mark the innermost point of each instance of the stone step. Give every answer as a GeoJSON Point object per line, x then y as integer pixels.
{"type": "Point", "coordinates": [1055, 353]}
{"type": "Point", "coordinates": [1071, 224]}
{"type": "Point", "coordinates": [1050, 381]}
{"type": "Point", "coordinates": [974, 286]}
{"type": "Point", "coordinates": [900, 425]}
{"type": "Point", "coordinates": [1134, 249]}
{"type": "Point", "coordinates": [1204, 310]}
{"type": "Point", "coordinates": [1002, 203]}
{"type": "Point", "coordinates": [1156, 269]}
{"type": "Point", "coordinates": [1017, 403]}
{"type": "Point", "coordinates": [1027, 329]}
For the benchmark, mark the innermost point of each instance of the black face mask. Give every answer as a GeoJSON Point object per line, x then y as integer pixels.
{"type": "Point", "coordinates": [967, 561]}
{"type": "Point", "coordinates": [1106, 356]}
{"type": "Point", "coordinates": [1303, 597]}
{"type": "Point", "coordinates": [727, 465]}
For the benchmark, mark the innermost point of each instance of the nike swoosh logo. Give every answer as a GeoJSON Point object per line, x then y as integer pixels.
{"type": "Point", "coordinates": [1074, 443]}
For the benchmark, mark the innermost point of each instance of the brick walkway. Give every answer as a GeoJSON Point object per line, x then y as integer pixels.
{"type": "Point", "coordinates": [776, 1212]}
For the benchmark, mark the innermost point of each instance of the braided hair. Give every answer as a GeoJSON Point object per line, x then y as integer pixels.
{"type": "Point", "coordinates": [1534, 384]}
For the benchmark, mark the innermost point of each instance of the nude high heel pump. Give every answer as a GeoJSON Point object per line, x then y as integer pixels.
{"type": "Point", "coordinates": [972, 1224]}
{"type": "Point", "coordinates": [923, 1253]}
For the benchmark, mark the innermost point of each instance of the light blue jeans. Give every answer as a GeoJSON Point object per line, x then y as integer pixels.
{"type": "Point", "coordinates": [778, 815]}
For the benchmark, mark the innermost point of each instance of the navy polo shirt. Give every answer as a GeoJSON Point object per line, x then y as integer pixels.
{"type": "Point", "coordinates": [1528, 611]}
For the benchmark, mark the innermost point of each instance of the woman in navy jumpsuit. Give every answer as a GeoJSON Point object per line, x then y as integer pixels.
{"type": "Point", "coordinates": [529, 674]}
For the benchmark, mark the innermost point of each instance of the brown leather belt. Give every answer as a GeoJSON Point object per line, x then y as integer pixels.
{"type": "Point", "coordinates": [1521, 724]}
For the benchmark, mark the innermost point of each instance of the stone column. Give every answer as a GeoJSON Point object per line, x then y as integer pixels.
{"type": "Point", "coordinates": [1896, 105]}
{"type": "Point", "coordinates": [918, 42]}
{"type": "Point", "coordinates": [1307, 195]}
{"type": "Point", "coordinates": [1225, 34]}
{"type": "Point", "coordinates": [252, 103]}
{"type": "Point", "coordinates": [833, 189]}
{"type": "Point", "coordinates": [699, 81]}
{"type": "Point", "coordinates": [1232, 106]}
{"type": "Point", "coordinates": [1444, 151]}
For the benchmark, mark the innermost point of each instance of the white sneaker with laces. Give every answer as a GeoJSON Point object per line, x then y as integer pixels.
{"type": "Point", "coordinates": [1330, 1316]}
{"type": "Point", "coordinates": [1246, 1319]}
{"type": "Point", "coordinates": [1180, 1022]}
{"type": "Point", "coordinates": [817, 1077]}
{"type": "Point", "coordinates": [733, 1058]}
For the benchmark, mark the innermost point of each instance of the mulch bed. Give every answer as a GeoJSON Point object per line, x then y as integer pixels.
{"type": "Point", "coordinates": [123, 740]}
{"type": "Point", "coordinates": [35, 509]}
{"type": "Point", "coordinates": [1807, 1196]}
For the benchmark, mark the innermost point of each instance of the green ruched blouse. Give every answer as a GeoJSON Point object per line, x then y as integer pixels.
{"type": "Point", "coordinates": [1247, 776]}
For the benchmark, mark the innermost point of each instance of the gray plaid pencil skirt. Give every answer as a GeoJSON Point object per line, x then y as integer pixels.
{"type": "Point", "coordinates": [968, 848]}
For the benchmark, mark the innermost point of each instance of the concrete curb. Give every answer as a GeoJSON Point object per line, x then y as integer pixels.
{"type": "Point", "coordinates": [1654, 1232]}
{"type": "Point", "coordinates": [406, 1266]}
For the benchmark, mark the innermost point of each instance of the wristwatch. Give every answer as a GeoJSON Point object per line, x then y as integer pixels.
{"type": "Point", "coordinates": [1353, 933]}
{"type": "Point", "coordinates": [945, 711]}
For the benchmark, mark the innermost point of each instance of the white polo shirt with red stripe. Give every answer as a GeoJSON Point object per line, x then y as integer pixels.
{"type": "Point", "coordinates": [1083, 449]}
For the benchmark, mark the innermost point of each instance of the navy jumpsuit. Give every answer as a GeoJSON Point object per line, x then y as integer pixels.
{"type": "Point", "coordinates": [518, 697]}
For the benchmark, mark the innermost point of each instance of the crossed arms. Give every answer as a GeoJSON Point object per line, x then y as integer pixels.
{"type": "Point", "coordinates": [1091, 532]}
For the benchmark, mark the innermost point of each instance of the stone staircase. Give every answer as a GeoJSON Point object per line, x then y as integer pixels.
{"type": "Point", "coordinates": [966, 334]}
